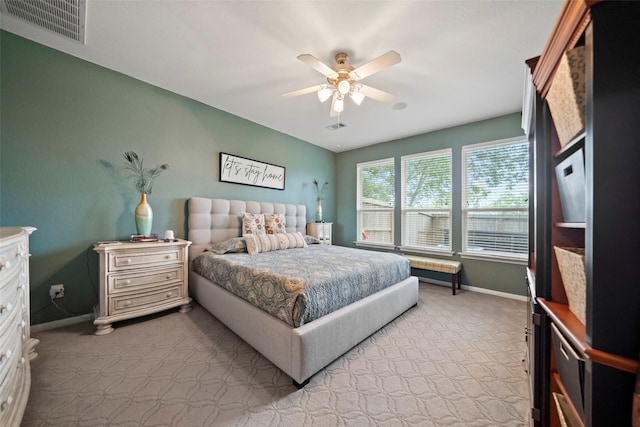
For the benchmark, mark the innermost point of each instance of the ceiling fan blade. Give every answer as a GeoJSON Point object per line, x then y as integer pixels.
{"type": "Point", "coordinates": [380, 63]}
{"type": "Point", "coordinates": [318, 65]}
{"type": "Point", "coordinates": [377, 94]}
{"type": "Point", "coordinates": [304, 91]}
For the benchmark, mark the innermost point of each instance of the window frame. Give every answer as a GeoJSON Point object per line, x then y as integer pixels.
{"type": "Point", "coordinates": [359, 211]}
{"type": "Point", "coordinates": [405, 210]}
{"type": "Point", "coordinates": [508, 257]}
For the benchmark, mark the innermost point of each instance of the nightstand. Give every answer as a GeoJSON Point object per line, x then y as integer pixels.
{"type": "Point", "coordinates": [137, 279]}
{"type": "Point", "coordinates": [321, 231]}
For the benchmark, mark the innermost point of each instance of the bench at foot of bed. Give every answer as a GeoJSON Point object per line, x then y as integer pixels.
{"type": "Point", "coordinates": [453, 268]}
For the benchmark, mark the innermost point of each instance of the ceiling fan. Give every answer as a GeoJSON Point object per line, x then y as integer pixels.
{"type": "Point", "coordinates": [343, 80]}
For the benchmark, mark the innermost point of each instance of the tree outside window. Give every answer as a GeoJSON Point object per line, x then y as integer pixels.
{"type": "Point", "coordinates": [495, 198]}
{"type": "Point", "coordinates": [376, 201]}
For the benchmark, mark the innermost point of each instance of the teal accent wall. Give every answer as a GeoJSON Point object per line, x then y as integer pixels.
{"type": "Point", "coordinates": [65, 123]}
{"type": "Point", "coordinates": [64, 126]}
{"type": "Point", "coordinates": [496, 276]}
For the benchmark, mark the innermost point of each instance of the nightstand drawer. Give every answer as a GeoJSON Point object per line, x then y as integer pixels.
{"type": "Point", "coordinates": [135, 259]}
{"type": "Point", "coordinates": [140, 301]}
{"type": "Point", "coordinates": [126, 282]}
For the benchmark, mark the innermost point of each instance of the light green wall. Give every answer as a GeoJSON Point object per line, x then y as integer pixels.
{"type": "Point", "coordinates": [65, 123]}
{"type": "Point", "coordinates": [64, 126]}
{"type": "Point", "coordinates": [483, 274]}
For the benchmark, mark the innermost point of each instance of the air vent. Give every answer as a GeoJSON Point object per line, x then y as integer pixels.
{"type": "Point", "coordinates": [64, 17]}
{"type": "Point", "coordinates": [336, 126]}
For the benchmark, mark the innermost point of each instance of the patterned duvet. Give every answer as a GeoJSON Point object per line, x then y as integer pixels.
{"type": "Point", "coordinates": [303, 284]}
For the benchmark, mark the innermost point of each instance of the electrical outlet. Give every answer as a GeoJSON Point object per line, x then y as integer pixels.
{"type": "Point", "coordinates": [56, 291]}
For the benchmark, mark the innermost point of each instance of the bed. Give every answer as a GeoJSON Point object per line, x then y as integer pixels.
{"type": "Point", "coordinates": [302, 343]}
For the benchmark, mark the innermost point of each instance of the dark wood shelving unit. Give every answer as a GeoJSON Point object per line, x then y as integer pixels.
{"type": "Point", "coordinates": [575, 331]}
{"type": "Point", "coordinates": [607, 343]}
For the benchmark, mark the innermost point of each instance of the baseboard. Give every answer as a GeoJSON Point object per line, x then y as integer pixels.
{"type": "Point", "coordinates": [83, 318]}
{"type": "Point", "coordinates": [60, 323]}
{"type": "Point", "coordinates": [475, 289]}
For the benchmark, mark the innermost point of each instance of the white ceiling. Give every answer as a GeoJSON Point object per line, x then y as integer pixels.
{"type": "Point", "coordinates": [462, 61]}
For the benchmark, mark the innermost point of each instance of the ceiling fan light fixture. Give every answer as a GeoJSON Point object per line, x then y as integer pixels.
{"type": "Point", "coordinates": [344, 80]}
{"type": "Point", "coordinates": [357, 97]}
{"type": "Point", "coordinates": [338, 105]}
{"type": "Point", "coordinates": [325, 93]}
{"type": "Point", "coordinates": [344, 87]}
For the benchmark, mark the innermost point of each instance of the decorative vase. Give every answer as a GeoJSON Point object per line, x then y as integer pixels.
{"type": "Point", "coordinates": [144, 216]}
{"type": "Point", "coordinates": [319, 210]}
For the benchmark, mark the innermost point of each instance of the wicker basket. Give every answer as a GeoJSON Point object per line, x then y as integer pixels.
{"type": "Point", "coordinates": [566, 97]}
{"type": "Point", "coordinates": [571, 264]}
{"type": "Point", "coordinates": [567, 418]}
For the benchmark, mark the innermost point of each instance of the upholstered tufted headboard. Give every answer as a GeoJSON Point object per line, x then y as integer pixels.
{"type": "Point", "coordinates": [214, 220]}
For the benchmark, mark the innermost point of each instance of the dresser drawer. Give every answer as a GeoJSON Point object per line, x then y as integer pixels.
{"type": "Point", "coordinates": [10, 390]}
{"type": "Point", "coordinates": [139, 301]}
{"type": "Point", "coordinates": [147, 258]}
{"type": "Point", "coordinates": [140, 280]}
{"type": "Point", "coordinates": [11, 348]}
{"type": "Point", "coordinates": [10, 306]}
{"type": "Point", "coordinates": [11, 258]}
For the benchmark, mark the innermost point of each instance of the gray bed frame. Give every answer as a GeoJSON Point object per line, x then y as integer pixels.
{"type": "Point", "coordinates": [299, 352]}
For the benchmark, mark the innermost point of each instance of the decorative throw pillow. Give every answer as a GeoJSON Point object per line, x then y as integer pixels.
{"type": "Point", "coordinates": [296, 240]}
{"type": "Point", "coordinates": [259, 243]}
{"type": "Point", "coordinates": [252, 224]}
{"type": "Point", "coordinates": [234, 244]}
{"type": "Point", "coordinates": [274, 223]}
{"type": "Point", "coordinates": [311, 240]}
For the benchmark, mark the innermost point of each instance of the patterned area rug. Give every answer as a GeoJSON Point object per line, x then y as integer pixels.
{"type": "Point", "coordinates": [451, 361]}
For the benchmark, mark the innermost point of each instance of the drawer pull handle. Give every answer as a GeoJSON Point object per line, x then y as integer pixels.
{"type": "Point", "coordinates": [126, 303]}
{"type": "Point", "coordinates": [168, 256]}
{"type": "Point", "coordinates": [564, 352]}
{"type": "Point", "coordinates": [169, 294]}
{"type": "Point", "coordinates": [127, 261]}
{"type": "Point", "coordinates": [127, 282]}
{"type": "Point", "coordinates": [3, 356]}
{"type": "Point", "coordinates": [169, 276]}
{"type": "Point", "coordinates": [4, 308]}
{"type": "Point", "coordinates": [6, 264]}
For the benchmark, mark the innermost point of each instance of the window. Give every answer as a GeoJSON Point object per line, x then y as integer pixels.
{"type": "Point", "coordinates": [376, 201]}
{"type": "Point", "coordinates": [495, 198]}
{"type": "Point", "coordinates": [426, 200]}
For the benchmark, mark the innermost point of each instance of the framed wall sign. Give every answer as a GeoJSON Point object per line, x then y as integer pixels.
{"type": "Point", "coordinates": [240, 170]}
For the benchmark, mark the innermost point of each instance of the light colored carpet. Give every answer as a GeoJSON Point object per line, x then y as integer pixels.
{"type": "Point", "coordinates": [451, 361]}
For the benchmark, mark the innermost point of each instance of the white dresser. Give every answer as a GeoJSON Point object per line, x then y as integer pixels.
{"type": "Point", "coordinates": [17, 347]}
{"type": "Point", "coordinates": [137, 279]}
